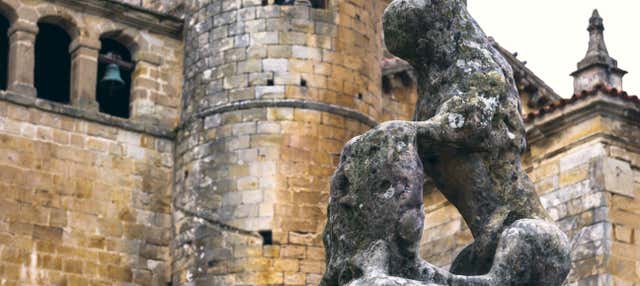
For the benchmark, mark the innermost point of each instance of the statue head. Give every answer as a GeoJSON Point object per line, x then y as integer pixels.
{"type": "Point", "coordinates": [414, 30]}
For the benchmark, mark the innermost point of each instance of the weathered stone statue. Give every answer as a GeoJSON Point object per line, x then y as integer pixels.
{"type": "Point", "coordinates": [467, 136]}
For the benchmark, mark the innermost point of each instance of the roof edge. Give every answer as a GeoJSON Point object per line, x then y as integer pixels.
{"type": "Point", "coordinates": [598, 90]}
{"type": "Point", "coordinates": [530, 75]}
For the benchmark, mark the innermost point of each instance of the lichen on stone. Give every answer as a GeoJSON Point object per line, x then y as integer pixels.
{"type": "Point", "coordinates": [468, 137]}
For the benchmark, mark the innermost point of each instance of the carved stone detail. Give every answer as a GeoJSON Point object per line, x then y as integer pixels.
{"type": "Point", "coordinates": [468, 137]}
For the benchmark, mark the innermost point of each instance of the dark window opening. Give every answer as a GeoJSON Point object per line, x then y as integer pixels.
{"type": "Point", "coordinates": [303, 82]}
{"type": "Point", "coordinates": [406, 78]}
{"type": "Point", "coordinates": [270, 82]}
{"type": "Point", "coordinates": [52, 63]}
{"type": "Point", "coordinates": [360, 96]}
{"type": "Point", "coordinates": [386, 84]}
{"type": "Point", "coordinates": [114, 99]}
{"type": "Point", "coordinates": [319, 4]}
{"type": "Point", "coordinates": [267, 237]}
{"type": "Point", "coordinates": [4, 52]}
{"type": "Point", "coordinates": [265, 2]}
{"type": "Point", "coordinates": [284, 2]}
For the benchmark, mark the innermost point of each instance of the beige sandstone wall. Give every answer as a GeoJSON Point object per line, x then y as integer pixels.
{"type": "Point", "coordinates": [85, 198]}
{"type": "Point", "coordinates": [272, 93]}
{"type": "Point", "coordinates": [82, 203]}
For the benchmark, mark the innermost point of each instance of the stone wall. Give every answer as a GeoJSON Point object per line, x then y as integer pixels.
{"type": "Point", "coordinates": [271, 95]}
{"type": "Point", "coordinates": [625, 219]}
{"type": "Point", "coordinates": [86, 197]}
{"type": "Point", "coordinates": [82, 203]}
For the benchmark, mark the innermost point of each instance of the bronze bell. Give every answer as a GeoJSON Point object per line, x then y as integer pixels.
{"type": "Point", "coordinates": [112, 78]}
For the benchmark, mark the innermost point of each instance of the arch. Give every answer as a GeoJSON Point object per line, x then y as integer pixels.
{"type": "Point", "coordinates": [67, 24]}
{"type": "Point", "coordinates": [55, 15]}
{"type": "Point", "coordinates": [128, 37]}
{"type": "Point", "coordinates": [8, 11]}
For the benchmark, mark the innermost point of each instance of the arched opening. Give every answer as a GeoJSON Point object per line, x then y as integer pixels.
{"type": "Point", "coordinates": [4, 51]}
{"type": "Point", "coordinates": [114, 63]}
{"type": "Point", "coordinates": [52, 73]}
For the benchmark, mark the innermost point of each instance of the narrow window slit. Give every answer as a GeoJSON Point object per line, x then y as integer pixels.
{"type": "Point", "coordinates": [319, 4]}
{"type": "Point", "coordinates": [284, 2]}
{"type": "Point", "coordinates": [267, 237]}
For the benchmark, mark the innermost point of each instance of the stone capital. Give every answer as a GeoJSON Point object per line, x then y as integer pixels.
{"type": "Point", "coordinates": [149, 57]}
{"type": "Point", "coordinates": [22, 28]}
{"type": "Point", "coordinates": [85, 45]}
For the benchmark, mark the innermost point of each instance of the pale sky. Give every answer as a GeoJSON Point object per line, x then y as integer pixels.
{"type": "Point", "coordinates": [551, 35]}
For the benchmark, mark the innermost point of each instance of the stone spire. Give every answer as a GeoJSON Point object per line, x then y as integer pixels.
{"type": "Point", "coordinates": [597, 67]}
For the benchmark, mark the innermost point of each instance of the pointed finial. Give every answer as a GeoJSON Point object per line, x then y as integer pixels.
{"type": "Point", "coordinates": [597, 67]}
{"type": "Point", "coordinates": [595, 23]}
{"type": "Point", "coordinates": [597, 46]}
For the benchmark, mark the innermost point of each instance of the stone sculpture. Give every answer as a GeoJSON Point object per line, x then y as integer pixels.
{"type": "Point", "coordinates": [467, 136]}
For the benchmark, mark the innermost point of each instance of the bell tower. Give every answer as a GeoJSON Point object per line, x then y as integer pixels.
{"type": "Point", "coordinates": [273, 90]}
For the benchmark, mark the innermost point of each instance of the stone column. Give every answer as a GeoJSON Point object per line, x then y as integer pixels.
{"type": "Point", "coordinates": [143, 85]}
{"type": "Point", "coordinates": [84, 72]}
{"type": "Point", "coordinates": [22, 39]}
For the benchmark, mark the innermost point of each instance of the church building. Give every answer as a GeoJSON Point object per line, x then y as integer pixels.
{"type": "Point", "coordinates": [191, 142]}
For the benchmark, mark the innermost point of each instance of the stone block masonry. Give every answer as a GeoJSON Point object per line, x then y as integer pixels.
{"type": "Point", "coordinates": [82, 203]}
{"type": "Point", "coordinates": [85, 197]}
{"type": "Point", "coordinates": [271, 95]}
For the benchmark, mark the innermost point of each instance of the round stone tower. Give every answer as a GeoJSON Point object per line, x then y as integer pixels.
{"type": "Point", "coordinates": [273, 90]}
